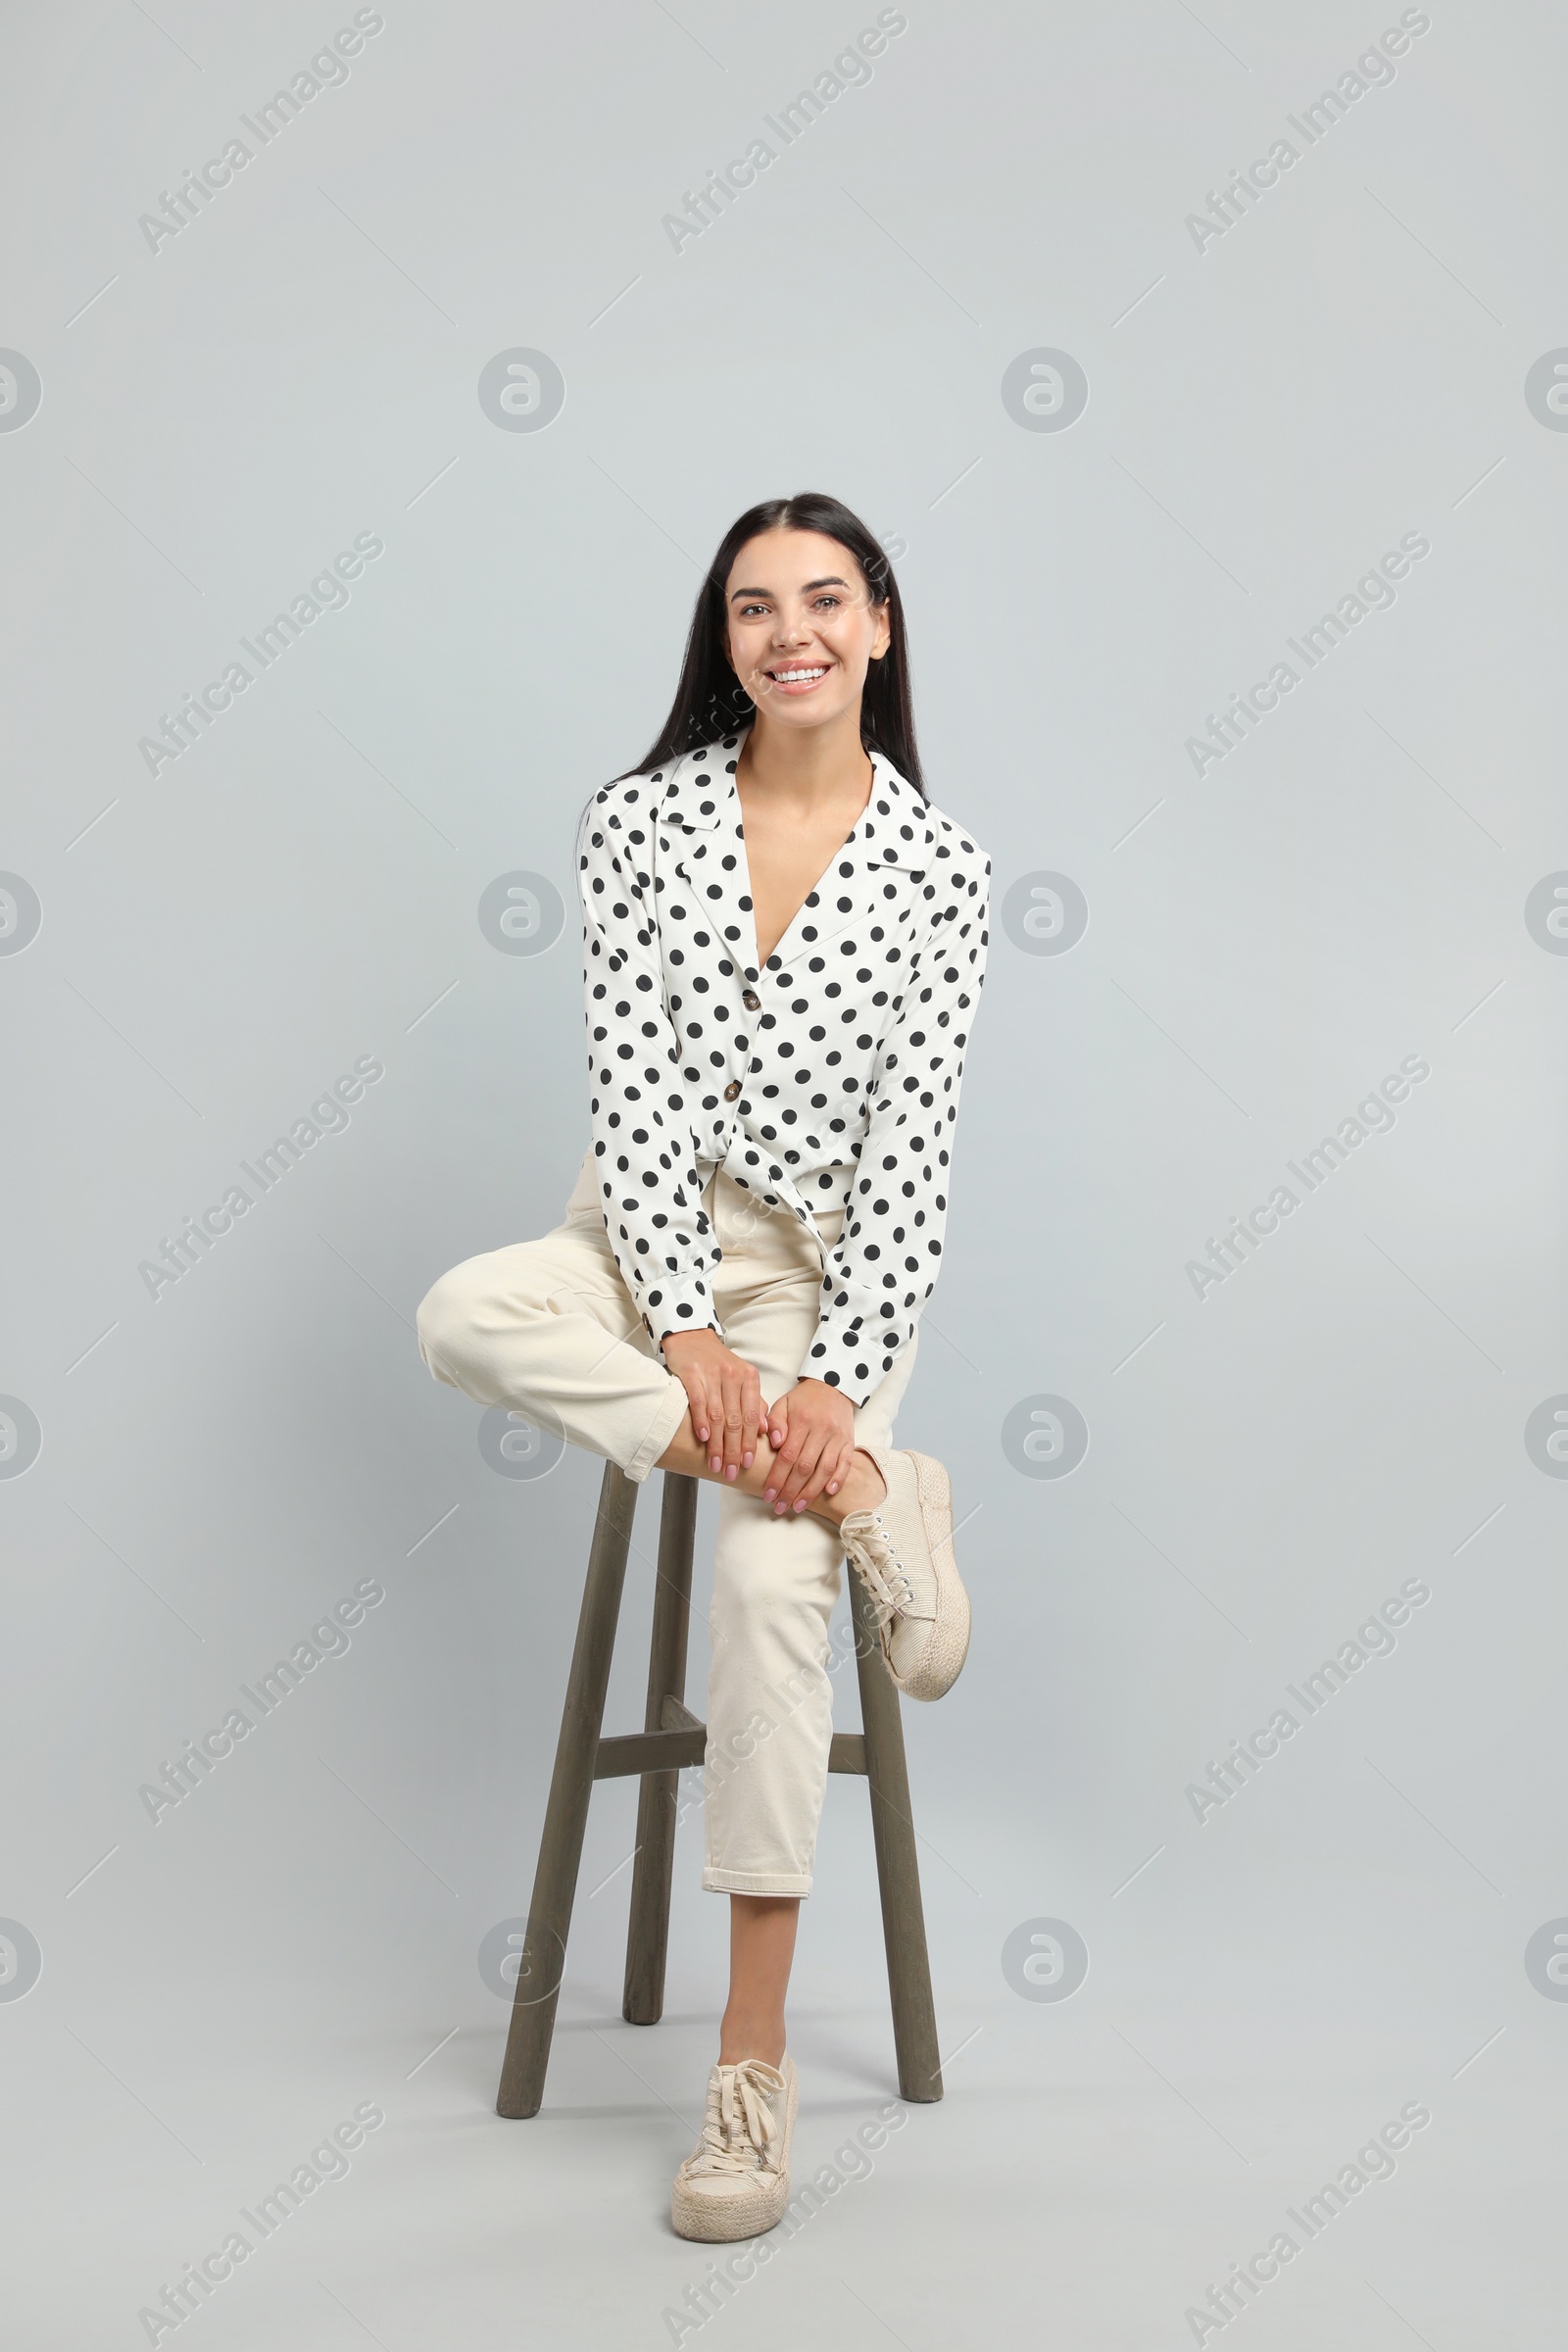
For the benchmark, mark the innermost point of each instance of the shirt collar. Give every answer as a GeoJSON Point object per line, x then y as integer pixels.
{"type": "Point", "coordinates": [697, 791]}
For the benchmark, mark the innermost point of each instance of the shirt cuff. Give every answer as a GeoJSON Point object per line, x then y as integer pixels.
{"type": "Point", "coordinates": [679, 1303]}
{"type": "Point", "coordinates": [844, 1356]}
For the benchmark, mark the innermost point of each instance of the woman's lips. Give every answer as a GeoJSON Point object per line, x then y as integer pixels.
{"type": "Point", "coordinates": [797, 677]}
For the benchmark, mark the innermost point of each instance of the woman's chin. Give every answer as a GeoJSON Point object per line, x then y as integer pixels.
{"type": "Point", "coordinates": [789, 712]}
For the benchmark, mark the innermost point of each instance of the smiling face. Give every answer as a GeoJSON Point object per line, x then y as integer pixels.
{"type": "Point", "coordinates": [802, 629]}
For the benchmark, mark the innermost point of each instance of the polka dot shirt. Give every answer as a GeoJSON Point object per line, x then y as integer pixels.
{"type": "Point", "coordinates": [827, 1078]}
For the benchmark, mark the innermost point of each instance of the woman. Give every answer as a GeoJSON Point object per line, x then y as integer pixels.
{"type": "Point", "coordinates": [784, 944]}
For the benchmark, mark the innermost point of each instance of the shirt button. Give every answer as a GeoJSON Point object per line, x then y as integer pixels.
{"type": "Point", "coordinates": [750, 1000]}
{"type": "Point", "coordinates": [732, 1089]}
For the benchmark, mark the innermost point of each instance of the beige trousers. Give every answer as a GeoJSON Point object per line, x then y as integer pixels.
{"type": "Point", "coordinates": [548, 1329]}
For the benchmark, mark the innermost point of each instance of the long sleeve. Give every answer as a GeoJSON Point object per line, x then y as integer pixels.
{"type": "Point", "coordinates": [889, 1252]}
{"type": "Point", "coordinates": [641, 1130]}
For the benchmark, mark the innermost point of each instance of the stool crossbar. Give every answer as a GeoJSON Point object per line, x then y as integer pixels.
{"type": "Point", "coordinates": [672, 1739]}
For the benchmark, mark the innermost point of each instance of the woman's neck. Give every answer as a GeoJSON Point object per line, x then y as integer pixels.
{"type": "Point", "coordinates": [807, 766]}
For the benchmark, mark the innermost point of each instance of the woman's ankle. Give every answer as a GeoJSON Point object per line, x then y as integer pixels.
{"type": "Point", "coordinates": [862, 1489]}
{"type": "Point", "coordinates": [741, 2040]}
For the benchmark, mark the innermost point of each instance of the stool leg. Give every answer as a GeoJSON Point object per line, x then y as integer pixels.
{"type": "Point", "coordinates": [648, 1937]}
{"type": "Point", "coordinates": [898, 1868]}
{"type": "Point", "coordinates": [555, 1886]}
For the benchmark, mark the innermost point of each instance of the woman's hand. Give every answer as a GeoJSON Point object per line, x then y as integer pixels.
{"type": "Point", "coordinates": [811, 1431]}
{"type": "Point", "coordinates": [723, 1396]}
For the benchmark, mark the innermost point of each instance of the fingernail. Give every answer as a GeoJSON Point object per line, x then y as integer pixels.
{"type": "Point", "coordinates": [745, 1461]}
{"type": "Point", "coordinates": [832, 1486]}
{"type": "Point", "coordinates": [768, 1494]}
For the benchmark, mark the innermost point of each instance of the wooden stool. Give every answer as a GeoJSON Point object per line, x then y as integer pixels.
{"type": "Point", "coordinates": [672, 1739]}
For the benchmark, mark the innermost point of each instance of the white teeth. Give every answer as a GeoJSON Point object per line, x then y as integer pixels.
{"type": "Point", "coordinates": [790, 678]}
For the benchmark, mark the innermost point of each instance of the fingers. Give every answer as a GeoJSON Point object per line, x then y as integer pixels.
{"type": "Point", "coordinates": [755, 1414]}
{"type": "Point", "coordinates": [726, 1403]}
{"type": "Point", "coordinates": [812, 1449]}
{"type": "Point", "coordinates": [778, 1437]}
{"type": "Point", "coordinates": [715, 1439]}
{"type": "Point", "coordinates": [805, 1472]}
{"type": "Point", "coordinates": [731, 1439]}
{"type": "Point", "coordinates": [825, 1468]}
{"type": "Point", "coordinates": [841, 1468]}
{"type": "Point", "coordinates": [740, 1408]}
{"type": "Point", "coordinates": [697, 1405]}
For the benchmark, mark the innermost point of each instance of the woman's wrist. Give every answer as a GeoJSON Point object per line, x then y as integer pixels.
{"type": "Point", "coordinates": [701, 1330]}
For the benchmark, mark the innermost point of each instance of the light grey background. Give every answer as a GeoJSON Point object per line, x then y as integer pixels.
{"type": "Point", "coordinates": [1266, 1464]}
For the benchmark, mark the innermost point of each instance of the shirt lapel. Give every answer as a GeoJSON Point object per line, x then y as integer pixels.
{"type": "Point", "coordinates": [872, 890]}
{"type": "Point", "coordinates": [871, 885]}
{"type": "Point", "coordinates": [700, 816]}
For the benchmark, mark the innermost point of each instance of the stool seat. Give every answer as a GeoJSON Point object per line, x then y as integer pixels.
{"type": "Point", "coordinates": [673, 1738]}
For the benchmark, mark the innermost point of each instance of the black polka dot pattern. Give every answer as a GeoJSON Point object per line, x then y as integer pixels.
{"type": "Point", "coordinates": [827, 1078]}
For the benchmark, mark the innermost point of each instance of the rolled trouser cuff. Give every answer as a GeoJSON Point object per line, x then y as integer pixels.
{"type": "Point", "coordinates": [661, 1431]}
{"type": "Point", "coordinates": [744, 1882]}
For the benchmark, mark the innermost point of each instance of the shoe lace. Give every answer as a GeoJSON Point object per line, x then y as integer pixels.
{"type": "Point", "coordinates": [882, 1572]}
{"type": "Point", "coordinates": [739, 2123]}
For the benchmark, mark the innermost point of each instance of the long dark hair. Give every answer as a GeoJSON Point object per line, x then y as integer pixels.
{"type": "Point", "coordinates": [711, 700]}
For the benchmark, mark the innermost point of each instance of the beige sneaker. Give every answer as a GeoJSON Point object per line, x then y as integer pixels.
{"type": "Point", "coordinates": [737, 2180]}
{"type": "Point", "coordinates": [902, 1553]}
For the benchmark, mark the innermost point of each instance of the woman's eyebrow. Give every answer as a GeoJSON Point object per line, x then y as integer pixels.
{"type": "Point", "coordinates": [832, 581]}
